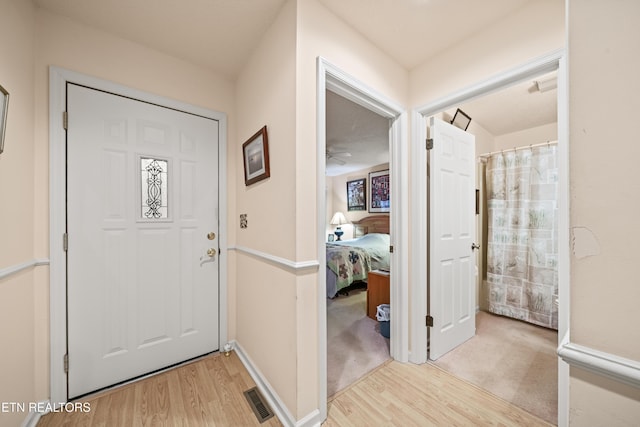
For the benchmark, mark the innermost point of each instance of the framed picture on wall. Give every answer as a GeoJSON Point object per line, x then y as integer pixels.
{"type": "Point", "coordinates": [379, 188]}
{"type": "Point", "coordinates": [255, 153]}
{"type": "Point", "coordinates": [357, 195]}
{"type": "Point", "coordinates": [4, 107]}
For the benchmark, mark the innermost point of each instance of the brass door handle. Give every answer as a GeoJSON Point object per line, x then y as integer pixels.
{"type": "Point", "coordinates": [211, 252]}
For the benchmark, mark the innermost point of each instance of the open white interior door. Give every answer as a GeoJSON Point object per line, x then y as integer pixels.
{"type": "Point", "coordinates": [452, 297]}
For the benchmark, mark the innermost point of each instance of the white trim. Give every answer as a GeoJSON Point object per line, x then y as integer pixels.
{"type": "Point", "coordinates": [555, 60]}
{"type": "Point", "coordinates": [33, 418]}
{"type": "Point", "coordinates": [15, 269]}
{"type": "Point", "coordinates": [331, 77]}
{"type": "Point", "coordinates": [564, 246]}
{"type": "Point", "coordinates": [58, 77]}
{"type": "Point", "coordinates": [268, 392]}
{"type": "Point", "coordinates": [321, 196]}
{"type": "Point", "coordinates": [617, 368]}
{"type": "Point", "coordinates": [297, 266]}
{"type": "Point", "coordinates": [419, 247]}
{"type": "Point", "coordinates": [544, 64]}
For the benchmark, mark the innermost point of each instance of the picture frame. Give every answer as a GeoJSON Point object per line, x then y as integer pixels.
{"type": "Point", "coordinates": [4, 108]}
{"type": "Point", "coordinates": [461, 120]}
{"type": "Point", "coordinates": [255, 155]}
{"type": "Point", "coordinates": [329, 237]}
{"type": "Point", "coordinates": [379, 191]}
{"type": "Point", "coordinates": [357, 195]}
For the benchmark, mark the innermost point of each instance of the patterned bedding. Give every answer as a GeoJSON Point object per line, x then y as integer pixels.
{"type": "Point", "coordinates": [351, 260]}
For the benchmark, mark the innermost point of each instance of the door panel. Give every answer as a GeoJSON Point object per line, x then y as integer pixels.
{"type": "Point", "coordinates": [451, 232]}
{"type": "Point", "coordinates": [142, 194]}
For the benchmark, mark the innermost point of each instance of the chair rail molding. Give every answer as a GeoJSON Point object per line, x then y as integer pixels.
{"type": "Point", "coordinates": [15, 269]}
{"type": "Point", "coordinates": [286, 264]}
{"type": "Point", "coordinates": [606, 364]}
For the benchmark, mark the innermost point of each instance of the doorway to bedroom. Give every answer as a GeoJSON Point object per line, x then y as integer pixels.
{"type": "Point", "coordinates": [357, 241]}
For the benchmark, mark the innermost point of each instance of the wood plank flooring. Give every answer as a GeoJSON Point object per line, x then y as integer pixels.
{"type": "Point", "coordinates": [208, 392]}
{"type": "Point", "coordinates": [398, 394]}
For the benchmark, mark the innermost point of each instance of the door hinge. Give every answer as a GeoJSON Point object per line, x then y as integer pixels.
{"type": "Point", "coordinates": [65, 120]}
{"type": "Point", "coordinates": [391, 249]}
{"type": "Point", "coordinates": [65, 242]}
{"type": "Point", "coordinates": [429, 320]}
{"type": "Point", "coordinates": [429, 143]}
{"type": "Point", "coordinates": [66, 363]}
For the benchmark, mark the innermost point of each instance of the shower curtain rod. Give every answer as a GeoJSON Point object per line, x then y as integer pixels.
{"type": "Point", "coordinates": [542, 144]}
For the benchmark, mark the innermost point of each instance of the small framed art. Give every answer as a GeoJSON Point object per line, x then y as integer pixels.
{"type": "Point", "coordinates": [379, 189]}
{"type": "Point", "coordinates": [255, 153]}
{"type": "Point", "coordinates": [4, 107]}
{"type": "Point", "coordinates": [357, 195]}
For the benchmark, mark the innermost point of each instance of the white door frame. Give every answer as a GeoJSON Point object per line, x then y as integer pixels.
{"type": "Point", "coordinates": [332, 78]}
{"type": "Point", "coordinates": [58, 79]}
{"type": "Point", "coordinates": [553, 61]}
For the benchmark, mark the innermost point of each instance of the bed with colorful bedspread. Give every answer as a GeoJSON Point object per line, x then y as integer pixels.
{"type": "Point", "coordinates": [350, 261]}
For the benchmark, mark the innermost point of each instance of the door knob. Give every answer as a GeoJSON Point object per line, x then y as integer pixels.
{"type": "Point", "coordinates": [211, 235]}
{"type": "Point", "coordinates": [211, 252]}
{"type": "Point", "coordinates": [474, 246]}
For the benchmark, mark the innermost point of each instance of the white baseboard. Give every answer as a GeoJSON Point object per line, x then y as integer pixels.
{"type": "Point", "coordinates": [32, 419]}
{"type": "Point", "coordinates": [278, 406]}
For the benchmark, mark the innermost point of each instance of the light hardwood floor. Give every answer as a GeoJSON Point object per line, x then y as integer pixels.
{"type": "Point", "coordinates": [208, 392]}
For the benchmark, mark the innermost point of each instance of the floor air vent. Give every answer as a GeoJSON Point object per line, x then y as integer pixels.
{"type": "Point", "coordinates": [257, 403]}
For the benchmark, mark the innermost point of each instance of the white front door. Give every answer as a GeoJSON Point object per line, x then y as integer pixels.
{"type": "Point", "coordinates": [452, 297]}
{"type": "Point", "coordinates": [142, 216]}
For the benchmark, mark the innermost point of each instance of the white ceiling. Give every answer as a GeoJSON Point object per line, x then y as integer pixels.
{"type": "Point", "coordinates": [229, 30]}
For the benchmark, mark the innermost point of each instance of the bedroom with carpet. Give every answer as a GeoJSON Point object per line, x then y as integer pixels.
{"type": "Point", "coordinates": [357, 242]}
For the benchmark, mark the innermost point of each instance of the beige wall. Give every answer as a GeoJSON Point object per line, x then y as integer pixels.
{"type": "Point", "coordinates": [276, 317]}
{"type": "Point", "coordinates": [346, 49]}
{"type": "Point", "coordinates": [531, 31]}
{"type": "Point", "coordinates": [337, 198]}
{"type": "Point", "coordinates": [39, 39]}
{"type": "Point", "coordinates": [266, 311]}
{"type": "Point", "coordinates": [276, 308]}
{"type": "Point", "coordinates": [603, 81]}
{"type": "Point", "coordinates": [17, 295]}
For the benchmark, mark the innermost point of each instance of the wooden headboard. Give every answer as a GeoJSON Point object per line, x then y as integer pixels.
{"type": "Point", "coordinates": [371, 224]}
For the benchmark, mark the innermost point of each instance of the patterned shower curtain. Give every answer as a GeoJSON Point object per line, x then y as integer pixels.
{"type": "Point", "coordinates": [522, 256]}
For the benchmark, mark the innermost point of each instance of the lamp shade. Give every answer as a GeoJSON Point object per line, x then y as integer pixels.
{"type": "Point", "coordinates": [338, 219]}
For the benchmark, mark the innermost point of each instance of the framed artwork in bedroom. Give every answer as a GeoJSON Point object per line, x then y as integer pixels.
{"type": "Point", "coordinates": [379, 188]}
{"type": "Point", "coordinates": [357, 195]}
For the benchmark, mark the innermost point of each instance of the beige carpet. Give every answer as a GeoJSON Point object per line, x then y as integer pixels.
{"type": "Point", "coordinates": [354, 344]}
{"type": "Point", "coordinates": [512, 359]}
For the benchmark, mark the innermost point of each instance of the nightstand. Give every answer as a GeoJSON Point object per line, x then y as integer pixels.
{"type": "Point", "coordinates": [377, 291]}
